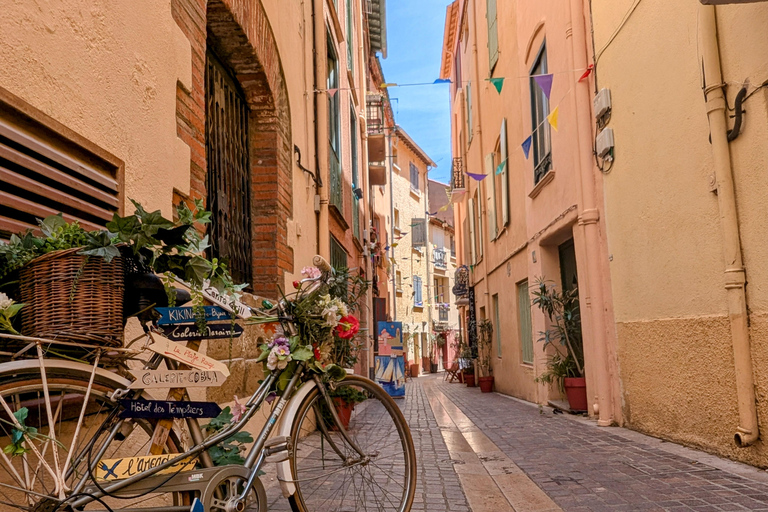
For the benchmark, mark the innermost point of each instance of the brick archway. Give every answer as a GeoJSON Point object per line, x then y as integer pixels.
{"type": "Point", "coordinates": [239, 33]}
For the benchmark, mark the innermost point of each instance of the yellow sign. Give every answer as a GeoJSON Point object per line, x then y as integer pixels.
{"type": "Point", "coordinates": [119, 469]}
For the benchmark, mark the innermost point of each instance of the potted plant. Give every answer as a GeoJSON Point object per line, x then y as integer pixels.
{"type": "Point", "coordinates": [469, 376]}
{"type": "Point", "coordinates": [485, 377]}
{"type": "Point", "coordinates": [345, 398]}
{"type": "Point", "coordinates": [465, 357]}
{"type": "Point", "coordinates": [565, 367]}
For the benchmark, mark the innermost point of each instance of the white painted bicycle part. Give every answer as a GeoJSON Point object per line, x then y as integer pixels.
{"type": "Point", "coordinates": [225, 487]}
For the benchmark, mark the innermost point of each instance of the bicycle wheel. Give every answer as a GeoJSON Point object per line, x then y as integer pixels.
{"type": "Point", "coordinates": [330, 474]}
{"type": "Point", "coordinates": [28, 481]}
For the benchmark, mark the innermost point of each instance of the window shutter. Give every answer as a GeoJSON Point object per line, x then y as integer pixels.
{"type": "Point", "coordinates": [472, 247]}
{"type": "Point", "coordinates": [504, 174]}
{"type": "Point", "coordinates": [490, 189]}
{"type": "Point", "coordinates": [469, 113]}
{"type": "Point", "coordinates": [418, 232]}
{"type": "Point", "coordinates": [493, 35]}
{"type": "Point", "coordinates": [417, 298]}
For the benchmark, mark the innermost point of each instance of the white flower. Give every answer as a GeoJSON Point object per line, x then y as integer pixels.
{"type": "Point", "coordinates": [5, 302]}
{"type": "Point", "coordinates": [277, 361]}
{"type": "Point", "coordinates": [331, 315]}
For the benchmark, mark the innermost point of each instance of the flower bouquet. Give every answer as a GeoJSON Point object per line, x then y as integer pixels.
{"type": "Point", "coordinates": [318, 326]}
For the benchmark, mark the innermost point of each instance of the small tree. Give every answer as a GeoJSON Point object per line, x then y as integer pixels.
{"type": "Point", "coordinates": [484, 348]}
{"type": "Point", "coordinates": [562, 310]}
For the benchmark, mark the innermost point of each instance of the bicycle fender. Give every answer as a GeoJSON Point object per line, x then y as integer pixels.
{"type": "Point", "coordinates": [33, 366]}
{"type": "Point", "coordinates": [284, 474]}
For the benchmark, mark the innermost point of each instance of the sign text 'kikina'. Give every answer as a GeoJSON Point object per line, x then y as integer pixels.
{"type": "Point", "coordinates": [186, 315]}
{"type": "Point", "coordinates": [148, 379]}
{"type": "Point", "coordinates": [211, 332]}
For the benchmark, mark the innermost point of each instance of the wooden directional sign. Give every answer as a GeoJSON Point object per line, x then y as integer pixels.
{"type": "Point", "coordinates": [182, 354]}
{"type": "Point", "coordinates": [119, 469]}
{"type": "Point", "coordinates": [168, 409]}
{"type": "Point", "coordinates": [212, 332]}
{"type": "Point", "coordinates": [186, 315]}
{"type": "Point", "coordinates": [152, 379]}
{"type": "Point", "coordinates": [228, 303]}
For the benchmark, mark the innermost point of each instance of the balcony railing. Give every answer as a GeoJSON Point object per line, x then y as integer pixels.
{"type": "Point", "coordinates": [439, 258]}
{"type": "Point", "coordinates": [374, 106]}
{"type": "Point", "coordinates": [457, 175]}
{"type": "Point", "coordinates": [442, 315]}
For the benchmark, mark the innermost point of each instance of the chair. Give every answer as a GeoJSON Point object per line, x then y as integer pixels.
{"type": "Point", "coordinates": [452, 372]}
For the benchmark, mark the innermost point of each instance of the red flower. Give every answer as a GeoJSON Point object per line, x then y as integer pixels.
{"type": "Point", "coordinates": [296, 284]}
{"type": "Point", "coordinates": [348, 327]}
{"type": "Point", "coordinates": [318, 355]}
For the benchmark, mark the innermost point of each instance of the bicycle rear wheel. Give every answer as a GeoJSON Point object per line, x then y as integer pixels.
{"type": "Point", "coordinates": [330, 475]}
{"type": "Point", "coordinates": [47, 470]}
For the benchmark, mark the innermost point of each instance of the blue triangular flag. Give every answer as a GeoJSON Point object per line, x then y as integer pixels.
{"type": "Point", "coordinates": [442, 81]}
{"type": "Point", "coordinates": [527, 146]}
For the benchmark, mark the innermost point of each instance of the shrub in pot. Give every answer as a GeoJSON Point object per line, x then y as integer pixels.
{"type": "Point", "coordinates": [469, 376]}
{"type": "Point", "coordinates": [565, 367]}
{"type": "Point", "coordinates": [484, 346]}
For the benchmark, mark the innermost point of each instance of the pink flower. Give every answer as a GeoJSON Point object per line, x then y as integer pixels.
{"type": "Point", "coordinates": [237, 410]}
{"type": "Point", "coordinates": [348, 326]}
{"type": "Point", "coordinates": [311, 272]}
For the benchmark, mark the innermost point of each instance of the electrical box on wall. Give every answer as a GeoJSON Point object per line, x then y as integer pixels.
{"type": "Point", "coordinates": [604, 142]}
{"type": "Point", "coordinates": [602, 103]}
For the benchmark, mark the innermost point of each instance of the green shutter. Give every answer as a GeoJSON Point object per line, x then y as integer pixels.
{"type": "Point", "coordinates": [490, 189]}
{"type": "Point", "coordinates": [504, 174]}
{"type": "Point", "coordinates": [524, 320]}
{"type": "Point", "coordinates": [493, 36]}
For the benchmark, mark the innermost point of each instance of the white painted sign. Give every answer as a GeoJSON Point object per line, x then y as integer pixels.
{"type": "Point", "coordinates": [228, 303]}
{"type": "Point", "coordinates": [182, 354]}
{"type": "Point", "coordinates": [150, 379]}
{"type": "Point", "coordinates": [118, 469]}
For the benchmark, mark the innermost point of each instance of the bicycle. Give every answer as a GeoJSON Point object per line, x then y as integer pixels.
{"type": "Point", "coordinates": [62, 431]}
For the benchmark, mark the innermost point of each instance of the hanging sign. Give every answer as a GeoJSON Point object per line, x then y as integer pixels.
{"type": "Point", "coordinates": [211, 332]}
{"type": "Point", "coordinates": [186, 315]}
{"type": "Point", "coordinates": [229, 303]}
{"type": "Point", "coordinates": [150, 379]}
{"type": "Point", "coordinates": [168, 409]}
{"type": "Point", "coordinates": [182, 354]}
{"type": "Point", "coordinates": [118, 469]}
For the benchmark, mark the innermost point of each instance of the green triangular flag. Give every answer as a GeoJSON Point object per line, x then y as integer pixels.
{"type": "Point", "coordinates": [500, 167]}
{"type": "Point", "coordinates": [498, 83]}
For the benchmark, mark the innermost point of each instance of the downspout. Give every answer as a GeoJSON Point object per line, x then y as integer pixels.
{"type": "Point", "coordinates": [589, 218]}
{"type": "Point", "coordinates": [390, 159]}
{"type": "Point", "coordinates": [321, 130]}
{"type": "Point", "coordinates": [735, 278]}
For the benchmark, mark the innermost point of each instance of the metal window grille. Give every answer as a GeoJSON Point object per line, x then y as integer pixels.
{"type": "Point", "coordinates": [338, 255]}
{"type": "Point", "coordinates": [228, 178]}
{"type": "Point", "coordinates": [417, 298]}
{"type": "Point", "coordinates": [334, 128]}
{"type": "Point", "coordinates": [443, 315]}
{"type": "Point", "coordinates": [374, 106]}
{"type": "Point", "coordinates": [542, 143]}
{"type": "Point", "coordinates": [524, 321]}
{"type": "Point", "coordinates": [457, 174]}
{"type": "Point", "coordinates": [439, 258]}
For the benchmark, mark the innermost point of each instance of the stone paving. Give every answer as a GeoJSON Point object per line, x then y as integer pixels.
{"type": "Point", "coordinates": [579, 466]}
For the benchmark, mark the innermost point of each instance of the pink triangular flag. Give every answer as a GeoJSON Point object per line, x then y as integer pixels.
{"type": "Point", "coordinates": [332, 92]}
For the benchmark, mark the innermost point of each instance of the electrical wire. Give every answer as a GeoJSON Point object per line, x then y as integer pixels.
{"type": "Point", "coordinates": [617, 30]}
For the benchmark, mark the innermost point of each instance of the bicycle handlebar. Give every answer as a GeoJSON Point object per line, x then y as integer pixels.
{"type": "Point", "coordinates": [320, 263]}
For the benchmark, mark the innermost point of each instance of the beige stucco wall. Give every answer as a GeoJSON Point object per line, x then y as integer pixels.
{"type": "Point", "coordinates": [674, 344]}
{"type": "Point", "coordinates": [107, 70]}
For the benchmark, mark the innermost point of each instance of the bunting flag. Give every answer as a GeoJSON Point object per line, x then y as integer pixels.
{"type": "Point", "coordinates": [388, 84]}
{"type": "Point", "coordinates": [443, 208]}
{"type": "Point", "coordinates": [332, 92]}
{"type": "Point", "coordinates": [498, 83]}
{"type": "Point", "coordinates": [552, 118]}
{"type": "Point", "coordinates": [545, 82]}
{"type": "Point", "coordinates": [500, 167]}
{"type": "Point", "coordinates": [587, 72]}
{"type": "Point", "coordinates": [456, 195]}
{"type": "Point", "coordinates": [477, 177]}
{"type": "Point", "coordinates": [526, 145]}
{"type": "Point", "coordinates": [442, 81]}
{"type": "Point", "coordinates": [394, 245]}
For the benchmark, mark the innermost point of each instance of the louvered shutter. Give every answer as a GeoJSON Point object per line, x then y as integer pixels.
{"type": "Point", "coordinates": [493, 35]}
{"type": "Point", "coordinates": [490, 189]}
{"type": "Point", "coordinates": [504, 174]}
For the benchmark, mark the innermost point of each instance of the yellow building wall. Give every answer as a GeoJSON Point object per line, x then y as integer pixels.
{"type": "Point", "coordinates": [674, 344]}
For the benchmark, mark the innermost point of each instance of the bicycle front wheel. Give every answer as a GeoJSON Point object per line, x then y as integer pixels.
{"type": "Point", "coordinates": [330, 474]}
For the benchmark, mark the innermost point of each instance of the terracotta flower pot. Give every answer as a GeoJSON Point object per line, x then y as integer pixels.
{"type": "Point", "coordinates": [470, 380]}
{"type": "Point", "coordinates": [576, 391]}
{"type": "Point", "coordinates": [486, 384]}
{"type": "Point", "coordinates": [344, 410]}
{"type": "Point", "coordinates": [414, 370]}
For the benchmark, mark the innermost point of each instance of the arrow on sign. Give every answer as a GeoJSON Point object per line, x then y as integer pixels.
{"type": "Point", "coordinates": [182, 354]}
{"type": "Point", "coordinates": [186, 315]}
{"type": "Point", "coordinates": [116, 469]}
{"type": "Point", "coordinates": [152, 379]}
{"type": "Point", "coordinates": [212, 332]}
{"type": "Point", "coordinates": [168, 409]}
{"type": "Point", "coordinates": [228, 303]}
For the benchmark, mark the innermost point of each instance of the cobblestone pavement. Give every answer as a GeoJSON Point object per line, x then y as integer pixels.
{"type": "Point", "coordinates": [491, 452]}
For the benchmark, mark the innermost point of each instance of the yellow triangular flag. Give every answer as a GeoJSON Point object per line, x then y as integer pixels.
{"type": "Point", "coordinates": [552, 118]}
{"type": "Point", "coordinates": [443, 208]}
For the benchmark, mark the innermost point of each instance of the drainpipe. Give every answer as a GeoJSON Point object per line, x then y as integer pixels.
{"type": "Point", "coordinates": [391, 161]}
{"type": "Point", "coordinates": [735, 278]}
{"type": "Point", "coordinates": [589, 218]}
{"type": "Point", "coordinates": [321, 129]}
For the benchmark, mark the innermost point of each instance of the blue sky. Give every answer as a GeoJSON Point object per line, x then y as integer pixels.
{"type": "Point", "coordinates": [414, 48]}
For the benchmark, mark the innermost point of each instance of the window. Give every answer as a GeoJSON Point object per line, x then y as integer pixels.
{"type": "Point", "coordinates": [355, 181]}
{"type": "Point", "coordinates": [46, 169]}
{"type": "Point", "coordinates": [334, 127]}
{"type": "Point", "coordinates": [418, 232]}
{"type": "Point", "coordinates": [397, 219]}
{"type": "Point", "coordinates": [497, 323]}
{"type": "Point", "coordinates": [504, 175]}
{"type": "Point", "coordinates": [524, 321]}
{"type": "Point", "coordinates": [414, 177]}
{"type": "Point", "coordinates": [350, 38]}
{"type": "Point", "coordinates": [493, 36]}
{"type": "Point", "coordinates": [417, 299]}
{"type": "Point", "coordinates": [399, 281]}
{"type": "Point", "coordinates": [542, 144]}
{"type": "Point", "coordinates": [476, 227]}
{"type": "Point", "coordinates": [457, 72]}
{"type": "Point", "coordinates": [338, 255]}
{"type": "Point", "coordinates": [490, 190]}
{"type": "Point", "coordinates": [469, 113]}
{"type": "Point", "coordinates": [228, 177]}
{"type": "Point", "coordinates": [453, 247]}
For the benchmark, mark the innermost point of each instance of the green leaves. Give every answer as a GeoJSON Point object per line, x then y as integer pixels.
{"type": "Point", "coordinates": [99, 243]}
{"type": "Point", "coordinates": [229, 450]}
{"type": "Point", "coordinates": [51, 224]}
{"type": "Point", "coordinates": [197, 269]}
{"type": "Point", "coordinates": [302, 353]}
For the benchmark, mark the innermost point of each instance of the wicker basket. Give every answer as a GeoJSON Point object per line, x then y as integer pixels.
{"type": "Point", "coordinates": [73, 298]}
